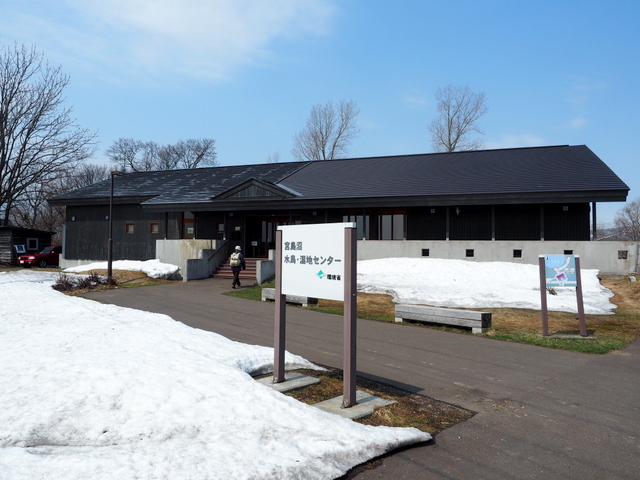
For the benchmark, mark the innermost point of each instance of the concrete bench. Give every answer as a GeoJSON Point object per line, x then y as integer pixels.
{"type": "Point", "coordinates": [479, 322]}
{"type": "Point", "coordinates": [270, 294]}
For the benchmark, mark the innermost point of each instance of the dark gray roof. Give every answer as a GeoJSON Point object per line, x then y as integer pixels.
{"type": "Point", "coordinates": [178, 186]}
{"type": "Point", "coordinates": [520, 175]}
{"type": "Point", "coordinates": [484, 172]}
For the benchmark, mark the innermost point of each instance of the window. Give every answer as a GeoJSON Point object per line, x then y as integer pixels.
{"type": "Point", "coordinates": [128, 227]}
{"type": "Point", "coordinates": [362, 224]}
{"type": "Point", "coordinates": [32, 244]}
{"type": "Point", "coordinates": [220, 228]}
{"type": "Point", "coordinates": [517, 253]}
{"type": "Point", "coordinates": [391, 227]}
{"type": "Point", "coordinates": [155, 227]}
{"type": "Point", "coordinates": [623, 254]}
{"type": "Point", "coordinates": [568, 252]}
{"type": "Point", "coordinates": [425, 252]}
{"type": "Point", "coordinates": [470, 253]}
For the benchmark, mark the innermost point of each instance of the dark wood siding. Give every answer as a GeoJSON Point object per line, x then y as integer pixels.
{"type": "Point", "coordinates": [427, 223]}
{"type": "Point", "coordinates": [6, 247]}
{"type": "Point", "coordinates": [87, 233]}
{"type": "Point", "coordinates": [470, 222]}
{"type": "Point", "coordinates": [208, 225]}
{"type": "Point", "coordinates": [517, 222]}
{"type": "Point", "coordinates": [568, 221]}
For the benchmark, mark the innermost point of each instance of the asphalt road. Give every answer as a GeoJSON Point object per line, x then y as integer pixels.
{"type": "Point", "coordinates": [541, 413]}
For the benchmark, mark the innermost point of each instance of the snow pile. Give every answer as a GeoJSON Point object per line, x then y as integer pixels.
{"type": "Point", "coordinates": [98, 391]}
{"type": "Point", "coordinates": [152, 268]}
{"type": "Point", "coordinates": [465, 284]}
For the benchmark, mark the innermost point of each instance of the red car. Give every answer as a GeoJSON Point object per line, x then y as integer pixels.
{"type": "Point", "coordinates": [48, 256]}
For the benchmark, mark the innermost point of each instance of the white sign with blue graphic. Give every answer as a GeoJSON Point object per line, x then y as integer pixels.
{"type": "Point", "coordinates": [560, 270]}
{"type": "Point", "coordinates": [313, 260]}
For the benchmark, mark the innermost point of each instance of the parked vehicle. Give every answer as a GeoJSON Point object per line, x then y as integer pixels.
{"type": "Point", "coordinates": [48, 256]}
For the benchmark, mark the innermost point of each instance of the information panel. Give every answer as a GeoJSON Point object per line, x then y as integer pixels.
{"type": "Point", "coordinates": [560, 270]}
{"type": "Point", "coordinates": [313, 260]}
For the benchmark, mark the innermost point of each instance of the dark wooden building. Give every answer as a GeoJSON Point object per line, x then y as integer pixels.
{"type": "Point", "coordinates": [541, 193]}
{"type": "Point", "coordinates": [16, 241]}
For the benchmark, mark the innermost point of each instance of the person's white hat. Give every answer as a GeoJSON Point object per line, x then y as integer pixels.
{"type": "Point", "coordinates": [238, 247]}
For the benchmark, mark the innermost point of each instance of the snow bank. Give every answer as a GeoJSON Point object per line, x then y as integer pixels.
{"type": "Point", "coordinates": [466, 284]}
{"type": "Point", "coordinates": [153, 268]}
{"type": "Point", "coordinates": [98, 391]}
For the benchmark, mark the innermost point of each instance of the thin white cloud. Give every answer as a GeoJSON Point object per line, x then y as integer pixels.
{"type": "Point", "coordinates": [206, 39]}
{"type": "Point", "coordinates": [582, 89]}
{"type": "Point", "coordinates": [577, 122]}
{"type": "Point", "coordinates": [414, 101]}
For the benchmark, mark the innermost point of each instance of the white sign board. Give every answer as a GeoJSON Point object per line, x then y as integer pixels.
{"type": "Point", "coordinates": [313, 260]}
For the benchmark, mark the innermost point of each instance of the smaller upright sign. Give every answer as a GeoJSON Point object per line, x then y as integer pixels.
{"type": "Point", "coordinates": [560, 270]}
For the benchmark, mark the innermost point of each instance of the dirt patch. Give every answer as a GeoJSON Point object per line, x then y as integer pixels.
{"type": "Point", "coordinates": [624, 324]}
{"type": "Point", "coordinates": [369, 304]}
{"type": "Point", "coordinates": [123, 278]}
{"type": "Point", "coordinates": [410, 409]}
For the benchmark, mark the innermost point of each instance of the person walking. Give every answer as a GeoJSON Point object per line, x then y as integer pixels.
{"type": "Point", "coordinates": [237, 264]}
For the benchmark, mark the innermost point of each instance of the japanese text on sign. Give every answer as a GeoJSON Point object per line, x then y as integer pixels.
{"type": "Point", "coordinates": [312, 260]}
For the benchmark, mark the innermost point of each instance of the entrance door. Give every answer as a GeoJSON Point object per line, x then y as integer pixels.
{"type": "Point", "coordinates": [262, 234]}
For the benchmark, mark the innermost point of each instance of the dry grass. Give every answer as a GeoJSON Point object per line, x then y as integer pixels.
{"type": "Point", "coordinates": [410, 410]}
{"type": "Point", "coordinates": [611, 332]}
{"type": "Point", "coordinates": [624, 322]}
{"type": "Point", "coordinates": [370, 305]}
{"type": "Point", "coordinates": [124, 279]}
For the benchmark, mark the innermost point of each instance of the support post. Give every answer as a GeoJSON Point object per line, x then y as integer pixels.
{"type": "Point", "coordinates": [350, 318]}
{"type": "Point", "coordinates": [279, 317]}
{"type": "Point", "coordinates": [110, 243]}
{"type": "Point", "coordinates": [543, 297]}
{"type": "Point", "coordinates": [581, 319]}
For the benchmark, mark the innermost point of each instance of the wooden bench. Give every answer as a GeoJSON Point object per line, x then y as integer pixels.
{"type": "Point", "coordinates": [479, 322]}
{"type": "Point", "coordinates": [270, 294]}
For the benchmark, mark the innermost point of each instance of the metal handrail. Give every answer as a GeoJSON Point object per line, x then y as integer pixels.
{"type": "Point", "coordinates": [220, 255]}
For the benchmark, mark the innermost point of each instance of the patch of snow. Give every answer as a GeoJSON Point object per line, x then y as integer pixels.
{"type": "Point", "coordinates": [466, 284]}
{"type": "Point", "coordinates": [99, 391]}
{"type": "Point", "coordinates": [152, 268]}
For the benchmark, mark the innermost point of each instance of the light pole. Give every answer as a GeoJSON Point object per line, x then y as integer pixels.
{"type": "Point", "coordinates": [110, 244]}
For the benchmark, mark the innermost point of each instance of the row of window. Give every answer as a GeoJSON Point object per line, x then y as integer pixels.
{"type": "Point", "coordinates": [517, 253]}
{"type": "Point", "coordinates": [130, 229]}
{"type": "Point", "coordinates": [389, 226]}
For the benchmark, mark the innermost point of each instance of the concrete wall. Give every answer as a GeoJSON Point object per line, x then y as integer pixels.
{"type": "Point", "coordinates": [175, 252]}
{"type": "Point", "coordinates": [265, 270]}
{"type": "Point", "coordinates": [604, 256]}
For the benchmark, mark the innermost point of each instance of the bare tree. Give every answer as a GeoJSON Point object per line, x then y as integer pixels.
{"type": "Point", "coordinates": [274, 157]}
{"type": "Point", "coordinates": [86, 174]}
{"type": "Point", "coordinates": [39, 142]}
{"type": "Point", "coordinates": [137, 156]}
{"type": "Point", "coordinates": [32, 209]}
{"type": "Point", "coordinates": [627, 221]}
{"type": "Point", "coordinates": [327, 133]}
{"type": "Point", "coordinates": [192, 153]}
{"type": "Point", "coordinates": [459, 110]}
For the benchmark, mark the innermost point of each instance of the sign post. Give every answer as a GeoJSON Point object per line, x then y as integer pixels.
{"type": "Point", "coordinates": [318, 260]}
{"type": "Point", "coordinates": [279, 317]}
{"type": "Point", "coordinates": [350, 318]}
{"type": "Point", "coordinates": [560, 271]}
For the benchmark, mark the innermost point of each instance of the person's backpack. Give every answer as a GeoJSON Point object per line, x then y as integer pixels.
{"type": "Point", "coordinates": [234, 261]}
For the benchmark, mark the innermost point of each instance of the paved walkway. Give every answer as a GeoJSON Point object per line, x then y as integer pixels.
{"type": "Point", "coordinates": [542, 413]}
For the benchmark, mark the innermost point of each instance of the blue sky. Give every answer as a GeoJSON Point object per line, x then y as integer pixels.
{"type": "Point", "coordinates": [247, 72]}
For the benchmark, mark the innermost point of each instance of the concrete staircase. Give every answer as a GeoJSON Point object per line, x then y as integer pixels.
{"type": "Point", "coordinates": [224, 271]}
